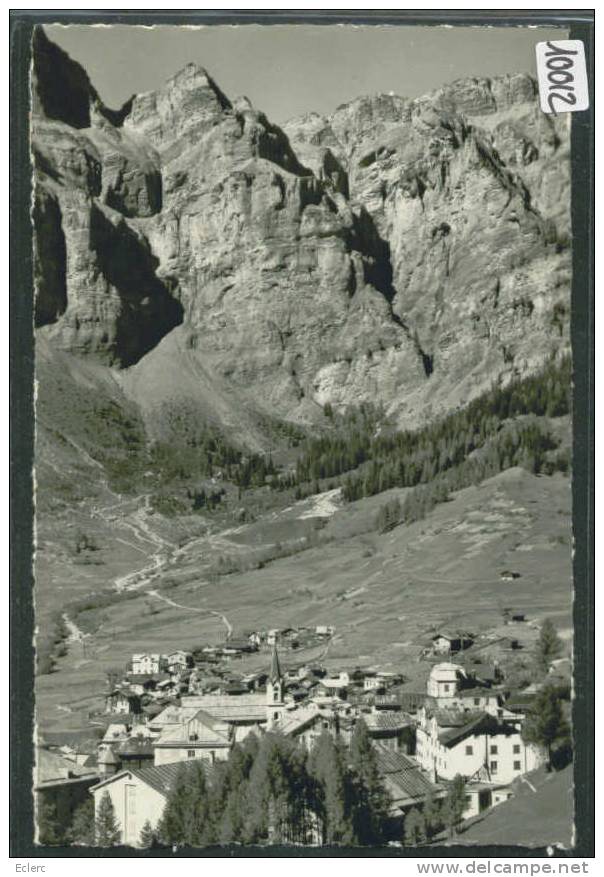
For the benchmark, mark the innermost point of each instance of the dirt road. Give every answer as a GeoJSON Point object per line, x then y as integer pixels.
{"type": "Point", "coordinates": [215, 612]}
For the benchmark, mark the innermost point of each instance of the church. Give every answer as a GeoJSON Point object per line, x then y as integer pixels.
{"type": "Point", "coordinates": [207, 726]}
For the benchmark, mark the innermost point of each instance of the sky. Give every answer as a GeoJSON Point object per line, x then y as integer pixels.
{"type": "Point", "coordinates": [287, 70]}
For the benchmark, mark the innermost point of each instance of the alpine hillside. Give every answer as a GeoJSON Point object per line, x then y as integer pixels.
{"type": "Point", "coordinates": [315, 372]}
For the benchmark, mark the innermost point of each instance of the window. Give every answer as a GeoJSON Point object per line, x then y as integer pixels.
{"type": "Point", "coordinates": [516, 748]}
{"type": "Point", "coordinates": [476, 701]}
{"type": "Point", "coordinates": [517, 765]}
{"type": "Point", "coordinates": [469, 750]}
{"type": "Point", "coordinates": [446, 687]}
{"type": "Point", "coordinates": [493, 767]}
{"type": "Point", "coordinates": [493, 750]}
{"type": "Point", "coordinates": [191, 753]}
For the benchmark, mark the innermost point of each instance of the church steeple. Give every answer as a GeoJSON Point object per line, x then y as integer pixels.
{"type": "Point", "coordinates": [275, 671]}
{"type": "Point", "coordinates": [274, 691]}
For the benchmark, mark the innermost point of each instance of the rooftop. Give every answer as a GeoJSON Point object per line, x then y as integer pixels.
{"type": "Point", "coordinates": [51, 767]}
{"type": "Point", "coordinates": [403, 777]}
{"type": "Point", "coordinates": [135, 746]}
{"type": "Point", "coordinates": [296, 720]}
{"type": "Point", "coordinates": [386, 721]}
{"type": "Point", "coordinates": [245, 707]}
{"type": "Point", "coordinates": [275, 674]}
{"type": "Point", "coordinates": [532, 818]}
{"type": "Point", "coordinates": [453, 718]}
{"type": "Point", "coordinates": [452, 634]}
{"type": "Point", "coordinates": [160, 777]}
{"type": "Point", "coordinates": [446, 669]}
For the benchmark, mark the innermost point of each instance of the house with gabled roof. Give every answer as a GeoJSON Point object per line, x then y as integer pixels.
{"type": "Point", "coordinates": [479, 698]}
{"type": "Point", "coordinates": [451, 742]}
{"type": "Point", "coordinates": [178, 661]}
{"type": "Point", "coordinates": [449, 642]}
{"type": "Point", "coordinates": [305, 724]}
{"type": "Point", "coordinates": [116, 731]}
{"type": "Point", "coordinates": [148, 664]}
{"type": "Point", "coordinates": [135, 752]}
{"type": "Point", "coordinates": [245, 709]}
{"type": "Point", "coordinates": [251, 708]}
{"type": "Point", "coordinates": [394, 730]}
{"type": "Point", "coordinates": [123, 701]}
{"type": "Point", "coordinates": [444, 680]}
{"type": "Point", "coordinates": [200, 736]}
{"type": "Point", "coordinates": [139, 795]}
{"type": "Point", "coordinates": [145, 683]}
{"type": "Point", "coordinates": [407, 784]}
{"type": "Point", "coordinates": [61, 783]}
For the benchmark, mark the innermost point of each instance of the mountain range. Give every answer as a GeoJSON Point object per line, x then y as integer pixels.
{"type": "Point", "coordinates": [195, 263]}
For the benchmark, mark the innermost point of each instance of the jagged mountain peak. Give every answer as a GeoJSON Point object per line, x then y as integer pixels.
{"type": "Point", "coordinates": [390, 252]}
{"type": "Point", "coordinates": [188, 100]}
{"type": "Point", "coordinates": [61, 88]}
{"type": "Point", "coordinates": [482, 95]}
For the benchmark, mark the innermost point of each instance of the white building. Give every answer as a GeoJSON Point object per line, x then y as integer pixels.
{"type": "Point", "coordinates": [305, 724]}
{"type": "Point", "coordinates": [207, 726]}
{"type": "Point", "coordinates": [178, 661]}
{"type": "Point", "coordinates": [370, 683]}
{"type": "Point", "coordinates": [138, 796]}
{"type": "Point", "coordinates": [198, 737]}
{"type": "Point", "coordinates": [485, 699]}
{"type": "Point", "coordinates": [447, 642]}
{"type": "Point", "coordinates": [451, 742]}
{"type": "Point", "coordinates": [444, 681]}
{"type": "Point", "coordinates": [451, 688]}
{"type": "Point", "coordinates": [147, 664]}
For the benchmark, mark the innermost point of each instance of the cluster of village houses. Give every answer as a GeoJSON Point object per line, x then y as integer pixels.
{"type": "Point", "coordinates": [170, 709]}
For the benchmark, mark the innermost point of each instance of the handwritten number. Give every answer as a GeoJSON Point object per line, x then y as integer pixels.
{"type": "Point", "coordinates": [556, 50]}
{"type": "Point", "coordinates": [565, 98]}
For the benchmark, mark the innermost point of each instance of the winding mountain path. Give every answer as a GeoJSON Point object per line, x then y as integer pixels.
{"type": "Point", "coordinates": [75, 634]}
{"type": "Point", "coordinates": [215, 612]}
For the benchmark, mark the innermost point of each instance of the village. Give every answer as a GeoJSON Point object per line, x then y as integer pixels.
{"type": "Point", "coordinates": [165, 710]}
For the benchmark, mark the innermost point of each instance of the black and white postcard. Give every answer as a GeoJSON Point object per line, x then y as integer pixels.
{"type": "Point", "coordinates": [303, 462]}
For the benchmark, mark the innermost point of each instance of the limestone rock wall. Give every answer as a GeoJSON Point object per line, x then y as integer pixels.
{"type": "Point", "coordinates": [468, 190]}
{"type": "Point", "coordinates": [408, 252]}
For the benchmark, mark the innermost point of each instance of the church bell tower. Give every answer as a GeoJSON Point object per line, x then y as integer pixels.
{"type": "Point", "coordinates": [274, 692]}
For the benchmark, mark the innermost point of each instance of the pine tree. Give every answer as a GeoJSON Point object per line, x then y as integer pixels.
{"type": "Point", "coordinates": [148, 837]}
{"type": "Point", "coordinates": [81, 832]}
{"type": "Point", "coordinates": [331, 791]}
{"type": "Point", "coordinates": [545, 725]}
{"type": "Point", "coordinates": [454, 804]}
{"type": "Point", "coordinates": [229, 792]}
{"type": "Point", "coordinates": [277, 803]}
{"type": "Point", "coordinates": [548, 647]}
{"type": "Point", "coordinates": [415, 828]}
{"type": "Point", "coordinates": [50, 832]}
{"type": "Point", "coordinates": [107, 830]}
{"type": "Point", "coordinates": [186, 814]}
{"type": "Point", "coordinates": [371, 810]}
{"type": "Point", "coordinates": [432, 815]}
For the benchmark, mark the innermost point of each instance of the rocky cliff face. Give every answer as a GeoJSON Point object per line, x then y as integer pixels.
{"type": "Point", "coordinates": [468, 190]}
{"type": "Point", "coordinates": [409, 252]}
